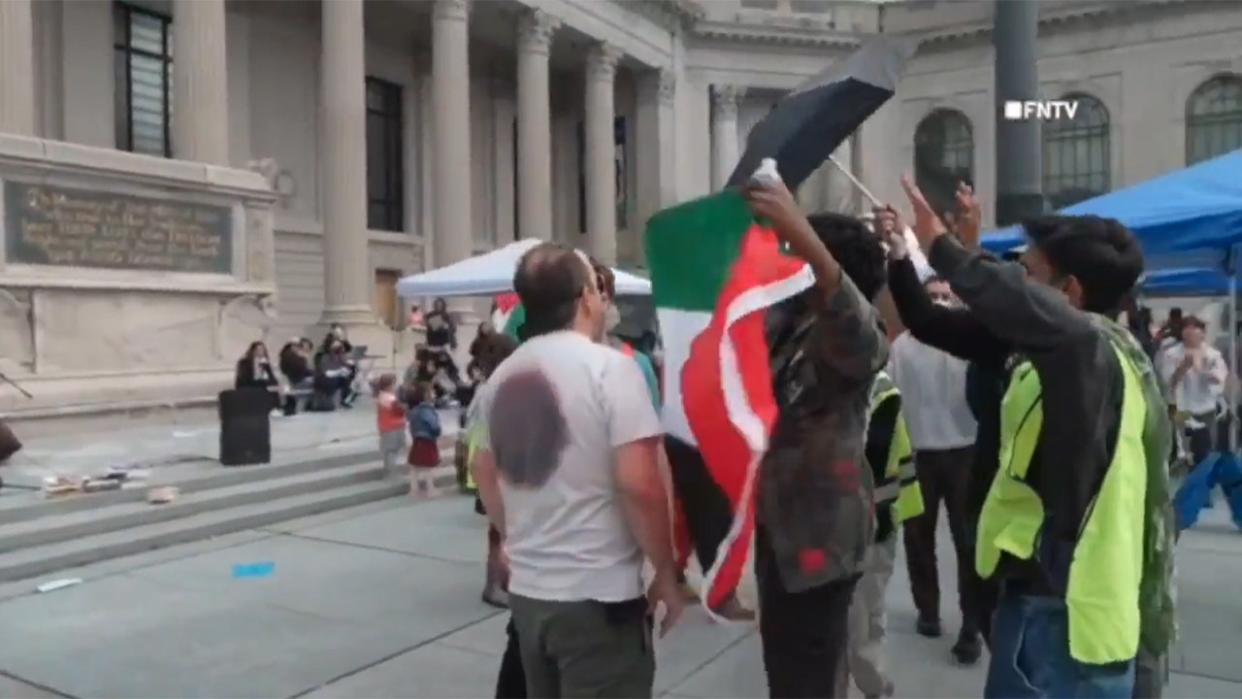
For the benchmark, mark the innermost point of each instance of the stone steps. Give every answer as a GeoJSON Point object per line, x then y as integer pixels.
{"type": "Point", "coordinates": [53, 536]}
{"type": "Point", "coordinates": [29, 508]}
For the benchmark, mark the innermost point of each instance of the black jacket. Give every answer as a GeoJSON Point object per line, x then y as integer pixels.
{"type": "Point", "coordinates": [958, 332]}
{"type": "Point", "coordinates": [246, 376]}
{"type": "Point", "coordinates": [294, 365]}
{"type": "Point", "coordinates": [1082, 389]}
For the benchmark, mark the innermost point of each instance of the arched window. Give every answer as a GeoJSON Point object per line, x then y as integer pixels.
{"type": "Point", "coordinates": [1214, 118]}
{"type": "Point", "coordinates": [944, 154]}
{"type": "Point", "coordinates": [1076, 154]}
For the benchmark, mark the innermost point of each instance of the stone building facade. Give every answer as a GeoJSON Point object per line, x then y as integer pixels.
{"type": "Point", "coordinates": [311, 152]}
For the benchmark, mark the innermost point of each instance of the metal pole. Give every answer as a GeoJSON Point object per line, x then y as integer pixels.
{"type": "Point", "coordinates": [1019, 193]}
{"type": "Point", "coordinates": [1232, 383]}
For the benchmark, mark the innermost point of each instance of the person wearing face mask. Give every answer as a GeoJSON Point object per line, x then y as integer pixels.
{"type": "Point", "coordinates": [942, 431]}
{"type": "Point", "coordinates": [1078, 525]}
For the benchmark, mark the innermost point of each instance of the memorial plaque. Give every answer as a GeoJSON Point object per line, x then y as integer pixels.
{"type": "Point", "coordinates": [48, 225]}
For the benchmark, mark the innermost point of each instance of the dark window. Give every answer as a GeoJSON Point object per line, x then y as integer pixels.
{"type": "Point", "coordinates": [517, 200]}
{"type": "Point", "coordinates": [621, 166]}
{"type": "Point", "coordinates": [944, 155]}
{"type": "Point", "coordinates": [142, 67]}
{"type": "Point", "coordinates": [582, 205]}
{"type": "Point", "coordinates": [1214, 119]}
{"type": "Point", "coordinates": [1076, 154]}
{"type": "Point", "coordinates": [385, 169]}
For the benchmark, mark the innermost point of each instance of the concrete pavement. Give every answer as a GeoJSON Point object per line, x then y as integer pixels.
{"type": "Point", "coordinates": [383, 601]}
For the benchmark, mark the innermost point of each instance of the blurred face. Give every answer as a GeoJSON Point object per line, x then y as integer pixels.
{"type": "Point", "coordinates": [940, 293]}
{"type": "Point", "coordinates": [591, 305]}
{"type": "Point", "coordinates": [306, 346]}
{"type": "Point", "coordinates": [1192, 335]}
{"type": "Point", "coordinates": [338, 332]}
{"type": "Point", "coordinates": [1041, 270]}
{"type": "Point", "coordinates": [260, 352]}
{"type": "Point", "coordinates": [440, 305]}
{"type": "Point", "coordinates": [486, 328]}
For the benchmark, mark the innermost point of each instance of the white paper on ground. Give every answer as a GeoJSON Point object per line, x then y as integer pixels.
{"type": "Point", "coordinates": [58, 584]}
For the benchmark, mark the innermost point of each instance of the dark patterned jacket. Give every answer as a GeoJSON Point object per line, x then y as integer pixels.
{"type": "Point", "coordinates": [815, 488]}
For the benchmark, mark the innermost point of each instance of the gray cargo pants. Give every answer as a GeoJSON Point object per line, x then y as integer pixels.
{"type": "Point", "coordinates": [573, 650]}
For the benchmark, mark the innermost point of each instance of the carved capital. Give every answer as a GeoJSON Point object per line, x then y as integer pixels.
{"type": "Point", "coordinates": [602, 62]}
{"type": "Point", "coordinates": [668, 86]}
{"type": "Point", "coordinates": [725, 99]}
{"type": "Point", "coordinates": [535, 30]}
{"type": "Point", "coordinates": [457, 10]}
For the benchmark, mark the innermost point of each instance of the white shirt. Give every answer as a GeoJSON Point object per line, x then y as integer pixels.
{"type": "Point", "coordinates": [1202, 386]}
{"type": "Point", "coordinates": [933, 395]}
{"type": "Point", "coordinates": [556, 410]}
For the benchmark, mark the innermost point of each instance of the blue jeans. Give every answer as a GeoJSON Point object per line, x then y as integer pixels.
{"type": "Point", "coordinates": [1031, 657]}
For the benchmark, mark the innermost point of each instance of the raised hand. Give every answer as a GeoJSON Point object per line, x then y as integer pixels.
{"type": "Point", "coordinates": [927, 225]}
{"type": "Point", "coordinates": [888, 225]}
{"type": "Point", "coordinates": [970, 216]}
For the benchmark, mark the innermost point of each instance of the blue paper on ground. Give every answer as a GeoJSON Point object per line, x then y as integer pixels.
{"type": "Point", "coordinates": [254, 570]}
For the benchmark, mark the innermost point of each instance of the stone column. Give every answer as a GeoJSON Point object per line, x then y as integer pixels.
{"type": "Point", "coordinates": [534, 125]}
{"type": "Point", "coordinates": [17, 93]}
{"type": "Point", "coordinates": [656, 155]}
{"type": "Point", "coordinates": [343, 165]}
{"type": "Point", "coordinates": [450, 97]}
{"type": "Point", "coordinates": [601, 176]}
{"type": "Point", "coordinates": [200, 82]}
{"type": "Point", "coordinates": [724, 132]}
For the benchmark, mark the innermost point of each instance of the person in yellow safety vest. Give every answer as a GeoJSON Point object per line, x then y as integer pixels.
{"type": "Point", "coordinates": [1077, 525]}
{"type": "Point", "coordinates": [897, 498]}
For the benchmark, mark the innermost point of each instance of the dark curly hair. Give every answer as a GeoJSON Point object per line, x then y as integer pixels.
{"type": "Point", "coordinates": [855, 248]}
{"type": "Point", "coordinates": [1100, 252]}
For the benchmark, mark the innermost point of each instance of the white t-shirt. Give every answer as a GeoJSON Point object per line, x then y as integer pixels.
{"type": "Point", "coordinates": [555, 411]}
{"type": "Point", "coordinates": [1202, 386]}
{"type": "Point", "coordinates": [933, 395]}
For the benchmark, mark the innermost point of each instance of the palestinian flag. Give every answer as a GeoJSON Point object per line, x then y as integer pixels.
{"type": "Point", "coordinates": [509, 315]}
{"type": "Point", "coordinates": [719, 408]}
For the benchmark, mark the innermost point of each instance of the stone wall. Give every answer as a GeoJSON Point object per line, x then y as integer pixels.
{"type": "Point", "coordinates": [140, 318]}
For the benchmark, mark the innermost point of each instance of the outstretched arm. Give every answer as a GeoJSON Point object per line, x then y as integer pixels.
{"type": "Point", "coordinates": [1029, 315]}
{"type": "Point", "coordinates": [852, 338]}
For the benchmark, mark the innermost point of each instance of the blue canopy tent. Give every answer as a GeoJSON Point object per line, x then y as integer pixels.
{"type": "Point", "coordinates": [1189, 223]}
{"type": "Point", "coordinates": [1186, 281]}
{"type": "Point", "coordinates": [1198, 208]}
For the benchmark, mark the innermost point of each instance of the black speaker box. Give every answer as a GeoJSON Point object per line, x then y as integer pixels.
{"type": "Point", "coordinates": [245, 426]}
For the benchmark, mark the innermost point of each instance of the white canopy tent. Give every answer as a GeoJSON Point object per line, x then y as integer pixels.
{"type": "Point", "coordinates": [492, 273]}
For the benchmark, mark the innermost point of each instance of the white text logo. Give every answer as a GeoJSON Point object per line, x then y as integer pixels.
{"type": "Point", "coordinates": [1044, 110]}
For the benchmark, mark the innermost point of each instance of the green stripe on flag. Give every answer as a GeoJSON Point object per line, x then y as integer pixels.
{"type": "Point", "coordinates": [691, 249]}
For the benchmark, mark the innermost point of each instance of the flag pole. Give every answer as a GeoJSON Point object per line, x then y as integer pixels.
{"type": "Point", "coordinates": [855, 181]}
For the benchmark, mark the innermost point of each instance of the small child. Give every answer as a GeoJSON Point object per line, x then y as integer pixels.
{"type": "Point", "coordinates": [424, 424]}
{"type": "Point", "coordinates": [390, 419]}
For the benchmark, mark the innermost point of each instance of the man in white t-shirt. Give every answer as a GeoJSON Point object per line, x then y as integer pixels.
{"type": "Point", "coordinates": [1195, 374]}
{"type": "Point", "coordinates": [569, 474]}
{"type": "Point", "coordinates": [942, 430]}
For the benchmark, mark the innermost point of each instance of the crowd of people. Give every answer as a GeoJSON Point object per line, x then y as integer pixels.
{"type": "Point", "coordinates": [320, 379]}
{"type": "Point", "coordinates": [1008, 390]}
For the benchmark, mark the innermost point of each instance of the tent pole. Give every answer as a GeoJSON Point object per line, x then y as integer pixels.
{"type": "Point", "coordinates": [1232, 384]}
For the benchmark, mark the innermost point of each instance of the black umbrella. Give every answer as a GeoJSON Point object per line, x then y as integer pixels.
{"type": "Point", "coordinates": [812, 121]}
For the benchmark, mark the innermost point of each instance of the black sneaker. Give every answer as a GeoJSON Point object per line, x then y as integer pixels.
{"type": "Point", "coordinates": [968, 648]}
{"type": "Point", "coordinates": [929, 627]}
